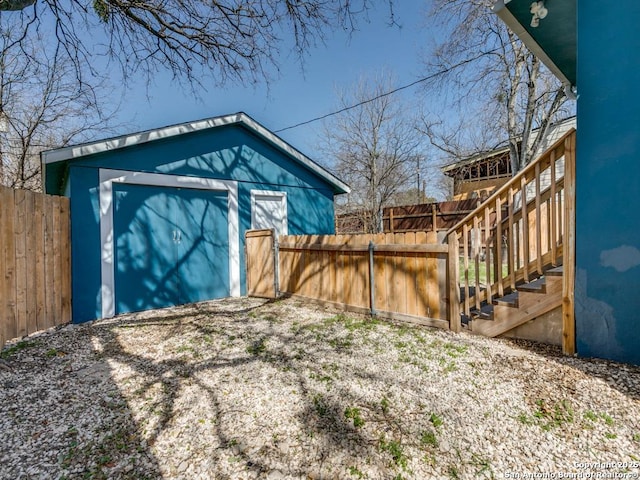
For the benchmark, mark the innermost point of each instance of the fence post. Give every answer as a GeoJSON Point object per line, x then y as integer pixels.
{"type": "Point", "coordinates": [276, 264]}
{"type": "Point", "coordinates": [434, 218]}
{"type": "Point", "coordinates": [454, 281]}
{"type": "Point", "coordinates": [372, 286]}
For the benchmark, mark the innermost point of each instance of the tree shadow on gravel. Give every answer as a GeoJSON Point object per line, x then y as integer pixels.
{"type": "Point", "coordinates": [621, 376]}
{"type": "Point", "coordinates": [332, 423]}
{"type": "Point", "coordinates": [63, 417]}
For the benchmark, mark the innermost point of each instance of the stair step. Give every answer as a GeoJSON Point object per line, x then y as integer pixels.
{"type": "Point", "coordinates": [554, 272]}
{"type": "Point", "coordinates": [510, 300]}
{"type": "Point", "coordinates": [472, 292]}
{"type": "Point", "coordinates": [532, 306]}
{"type": "Point", "coordinates": [537, 286]}
{"type": "Point", "coordinates": [485, 312]}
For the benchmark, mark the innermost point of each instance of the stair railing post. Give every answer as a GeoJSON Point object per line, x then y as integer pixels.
{"type": "Point", "coordinates": [454, 283]}
{"type": "Point", "coordinates": [569, 248]}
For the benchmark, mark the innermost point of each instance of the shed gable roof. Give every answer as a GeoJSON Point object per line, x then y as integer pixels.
{"type": "Point", "coordinates": [73, 152]}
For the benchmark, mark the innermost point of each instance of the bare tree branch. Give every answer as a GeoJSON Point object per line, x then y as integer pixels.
{"type": "Point", "coordinates": [224, 40]}
{"type": "Point", "coordinates": [42, 105]}
{"type": "Point", "coordinates": [503, 97]}
{"type": "Point", "coordinates": [374, 147]}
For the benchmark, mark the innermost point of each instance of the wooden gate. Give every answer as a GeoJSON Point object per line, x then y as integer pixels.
{"type": "Point", "coordinates": [261, 263]}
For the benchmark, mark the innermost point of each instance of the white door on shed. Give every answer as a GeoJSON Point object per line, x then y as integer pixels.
{"type": "Point", "coordinates": [269, 210]}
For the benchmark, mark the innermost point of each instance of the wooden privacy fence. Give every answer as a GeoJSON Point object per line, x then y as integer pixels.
{"type": "Point", "coordinates": [440, 216]}
{"type": "Point", "coordinates": [423, 217]}
{"type": "Point", "coordinates": [35, 263]}
{"type": "Point", "coordinates": [397, 276]}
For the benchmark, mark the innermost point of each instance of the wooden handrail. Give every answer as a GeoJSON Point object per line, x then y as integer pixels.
{"type": "Point", "coordinates": [530, 224]}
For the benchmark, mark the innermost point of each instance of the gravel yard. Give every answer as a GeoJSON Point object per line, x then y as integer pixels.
{"type": "Point", "coordinates": [243, 389]}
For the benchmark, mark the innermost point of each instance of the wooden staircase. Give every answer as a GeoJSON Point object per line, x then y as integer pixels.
{"type": "Point", "coordinates": [529, 301]}
{"type": "Point", "coordinates": [516, 250]}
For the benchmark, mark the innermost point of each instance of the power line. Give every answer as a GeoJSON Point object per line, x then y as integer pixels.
{"type": "Point", "coordinates": [390, 92]}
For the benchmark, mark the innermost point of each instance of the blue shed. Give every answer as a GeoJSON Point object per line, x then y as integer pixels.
{"type": "Point", "coordinates": [158, 217]}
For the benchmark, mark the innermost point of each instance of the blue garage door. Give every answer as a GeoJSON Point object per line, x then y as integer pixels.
{"type": "Point", "coordinates": [172, 246]}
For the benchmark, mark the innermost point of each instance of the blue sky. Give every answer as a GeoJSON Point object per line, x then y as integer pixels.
{"type": "Point", "coordinates": [298, 95]}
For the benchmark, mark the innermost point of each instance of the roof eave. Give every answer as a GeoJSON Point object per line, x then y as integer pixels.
{"type": "Point", "coordinates": [339, 185]}
{"type": "Point", "coordinates": [100, 146]}
{"type": "Point", "coordinates": [500, 9]}
{"type": "Point", "coordinates": [473, 159]}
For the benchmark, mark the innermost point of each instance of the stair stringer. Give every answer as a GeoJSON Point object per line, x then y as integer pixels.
{"type": "Point", "coordinates": [530, 306]}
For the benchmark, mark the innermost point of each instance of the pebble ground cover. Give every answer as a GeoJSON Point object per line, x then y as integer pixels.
{"type": "Point", "coordinates": [248, 389]}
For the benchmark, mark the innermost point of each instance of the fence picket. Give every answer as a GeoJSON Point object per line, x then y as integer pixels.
{"type": "Point", "coordinates": [3, 288]}
{"type": "Point", "coordinates": [437, 281]}
{"type": "Point", "coordinates": [411, 274]}
{"type": "Point", "coordinates": [332, 289]}
{"type": "Point", "coordinates": [335, 269]}
{"type": "Point", "coordinates": [310, 269]}
{"type": "Point", "coordinates": [49, 264]}
{"type": "Point", "coordinates": [379, 266]}
{"type": "Point", "coordinates": [301, 265]}
{"type": "Point", "coordinates": [325, 276]}
{"type": "Point", "coordinates": [347, 274]}
{"type": "Point", "coordinates": [422, 279]}
{"type": "Point", "coordinates": [57, 256]}
{"type": "Point", "coordinates": [362, 259]}
{"type": "Point", "coordinates": [65, 256]}
{"type": "Point", "coordinates": [31, 259]}
{"type": "Point", "coordinates": [20, 214]}
{"type": "Point", "coordinates": [39, 254]}
{"type": "Point", "coordinates": [9, 294]}
{"type": "Point", "coordinates": [33, 294]}
{"type": "Point", "coordinates": [389, 273]}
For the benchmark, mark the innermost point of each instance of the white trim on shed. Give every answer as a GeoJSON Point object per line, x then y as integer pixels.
{"type": "Point", "coordinates": [283, 229]}
{"type": "Point", "coordinates": [108, 177]}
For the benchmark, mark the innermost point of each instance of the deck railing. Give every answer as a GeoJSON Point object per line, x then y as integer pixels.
{"type": "Point", "coordinates": [524, 228]}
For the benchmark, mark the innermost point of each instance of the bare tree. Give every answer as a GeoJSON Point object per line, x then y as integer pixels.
{"type": "Point", "coordinates": [233, 39]}
{"type": "Point", "coordinates": [501, 94]}
{"type": "Point", "coordinates": [374, 147]}
{"type": "Point", "coordinates": [41, 106]}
